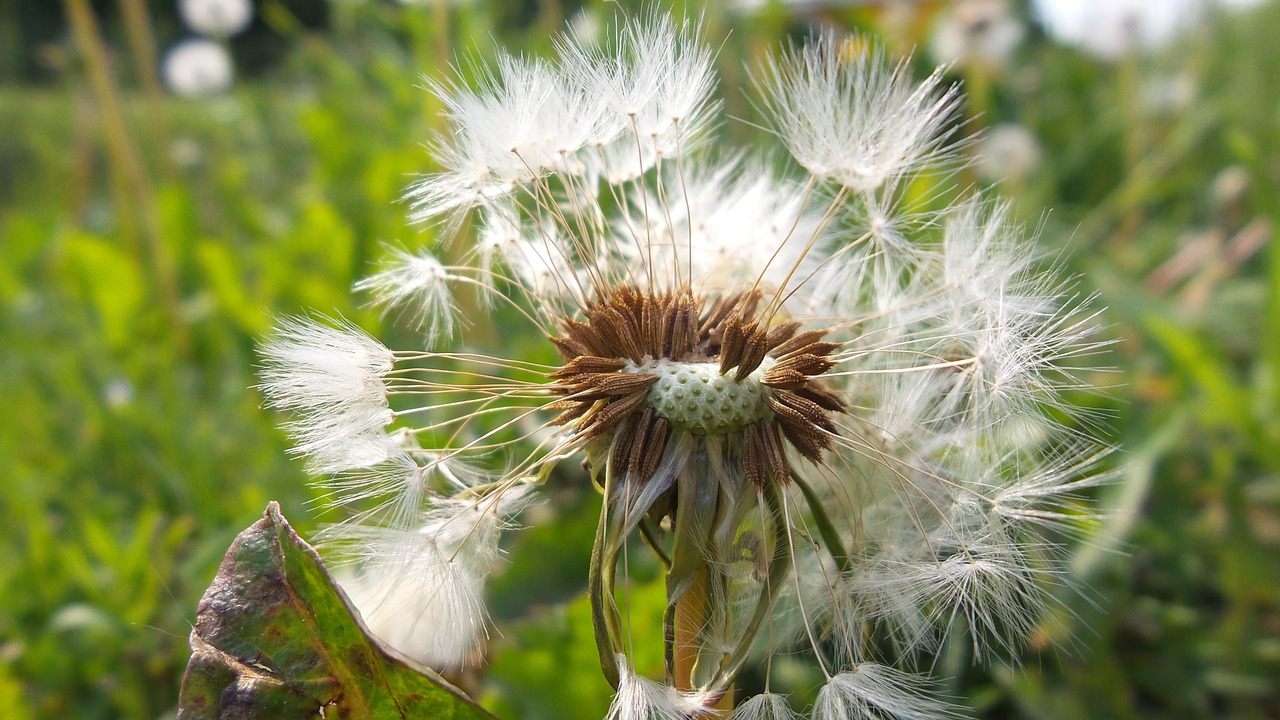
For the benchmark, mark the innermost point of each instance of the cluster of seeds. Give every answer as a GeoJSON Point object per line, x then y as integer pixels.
{"type": "Point", "coordinates": [647, 364]}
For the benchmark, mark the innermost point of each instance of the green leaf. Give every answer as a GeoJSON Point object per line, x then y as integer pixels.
{"type": "Point", "coordinates": [275, 638]}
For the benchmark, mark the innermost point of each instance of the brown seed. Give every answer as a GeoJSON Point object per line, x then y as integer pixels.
{"type": "Point", "coordinates": [783, 378]}
{"type": "Point", "coordinates": [753, 353]}
{"type": "Point", "coordinates": [808, 409]}
{"type": "Point", "coordinates": [568, 416]}
{"type": "Point", "coordinates": [651, 312]}
{"type": "Point", "coordinates": [781, 333]}
{"type": "Point", "coordinates": [609, 415]}
{"type": "Point", "coordinates": [775, 454]}
{"type": "Point", "coordinates": [587, 336]}
{"type": "Point", "coordinates": [623, 440]}
{"type": "Point", "coordinates": [617, 331]}
{"type": "Point", "coordinates": [682, 336]}
{"type": "Point", "coordinates": [734, 343]}
{"type": "Point", "coordinates": [819, 349]}
{"type": "Point", "coordinates": [569, 348]}
{"type": "Point", "coordinates": [610, 384]}
{"type": "Point", "coordinates": [806, 363]}
{"type": "Point", "coordinates": [753, 460]}
{"type": "Point", "coordinates": [659, 435]}
{"type": "Point", "coordinates": [588, 364]}
{"type": "Point", "coordinates": [808, 337]}
{"type": "Point", "coordinates": [824, 398]}
{"type": "Point", "coordinates": [648, 445]}
{"type": "Point", "coordinates": [803, 423]}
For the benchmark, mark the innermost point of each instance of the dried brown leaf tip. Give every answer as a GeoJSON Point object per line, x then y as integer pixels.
{"type": "Point", "coordinates": [644, 366]}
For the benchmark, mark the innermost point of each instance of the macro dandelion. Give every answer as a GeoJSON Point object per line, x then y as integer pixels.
{"type": "Point", "coordinates": [836, 417]}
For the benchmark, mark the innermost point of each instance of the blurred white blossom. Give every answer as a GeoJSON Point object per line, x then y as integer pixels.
{"type": "Point", "coordinates": [1007, 152]}
{"type": "Point", "coordinates": [977, 32]}
{"type": "Point", "coordinates": [1110, 29]}
{"type": "Point", "coordinates": [216, 18]}
{"type": "Point", "coordinates": [197, 68]}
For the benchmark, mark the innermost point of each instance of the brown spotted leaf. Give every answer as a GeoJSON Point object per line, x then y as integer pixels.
{"type": "Point", "coordinates": [274, 638]}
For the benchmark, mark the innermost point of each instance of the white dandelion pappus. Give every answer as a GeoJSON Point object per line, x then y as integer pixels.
{"type": "Point", "coordinates": [765, 706]}
{"type": "Point", "coordinates": [812, 405]}
{"type": "Point", "coordinates": [850, 116]}
{"type": "Point", "coordinates": [216, 18]}
{"type": "Point", "coordinates": [417, 284]}
{"type": "Point", "coordinates": [197, 68]}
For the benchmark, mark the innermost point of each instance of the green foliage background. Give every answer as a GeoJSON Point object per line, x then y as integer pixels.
{"type": "Point", "coordinates": [138, 270]}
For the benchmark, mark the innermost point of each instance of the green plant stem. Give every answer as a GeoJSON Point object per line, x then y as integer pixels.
{"type": "Point", "coordinates": [142, 41]}
{"type": "Point", "coordinates": [690, 618]}
{"type": "Point", "coordinates": [132, 187]}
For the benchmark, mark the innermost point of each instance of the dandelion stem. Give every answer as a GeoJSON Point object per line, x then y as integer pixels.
{"type": "Point", "coordinates": [690, 621]}
{"type": "Point", "coordinates": [599, 587]}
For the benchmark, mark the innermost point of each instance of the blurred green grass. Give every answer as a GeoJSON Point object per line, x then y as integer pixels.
{"type": "Point", "coordinates": [133, 449]}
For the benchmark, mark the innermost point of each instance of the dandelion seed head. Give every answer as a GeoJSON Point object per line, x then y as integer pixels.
{"type": "Point", "coordinates": [978, 32]}
{"type": "Point", "coordinates": [1008, 152]}
{"type": "Point", "coordinates": [807, 395]}
{"type": "Point", "coordinates": [216, 18]}
{"type": "Point", "coordinates": [197, 68]}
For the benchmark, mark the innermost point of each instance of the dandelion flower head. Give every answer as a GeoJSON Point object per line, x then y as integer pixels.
{"type": "Point", "coordinates": [821, 407]}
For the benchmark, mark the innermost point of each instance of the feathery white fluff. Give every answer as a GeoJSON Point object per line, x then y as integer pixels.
{"type": "Point", "coordinates": [343, 439]}
{"type": "Point", "coordinates": [197, 67]}
{"type": "Point", "coordinates": [216, 18]}
{"type": "Point", "coordinates": [331, 377]}
{"type": "Point", "coordinates": [723, 225]}
{"type": "Point", "coordinates": [518, 125]}
{"type": "Point", "coordinates": [878, 692]}
{"type": "Point", "coordinates": [846, 114]}
{"type": "Point", "coordinates": [655, 79]}
{"type": "Point", "coordinates": [640, 698]}
{"type": "Point", "coordinates": [420, 590]}
{"type": "Point", "coordinates": [765, 706]}
{"type": "Point", "coordinates": [308, 363]}
{"type": "Point", "coordinates": [416, 599]}
{"type": "Point", "coordinates": [417, 284]}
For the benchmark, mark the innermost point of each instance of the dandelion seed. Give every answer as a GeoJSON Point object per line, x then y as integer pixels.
{"type": "Point", "coordinates": [765, 706]}
{"type": "Point", "coordinates": [639, 698]}
{"type": "Point", "coordinates": [418, 284]}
